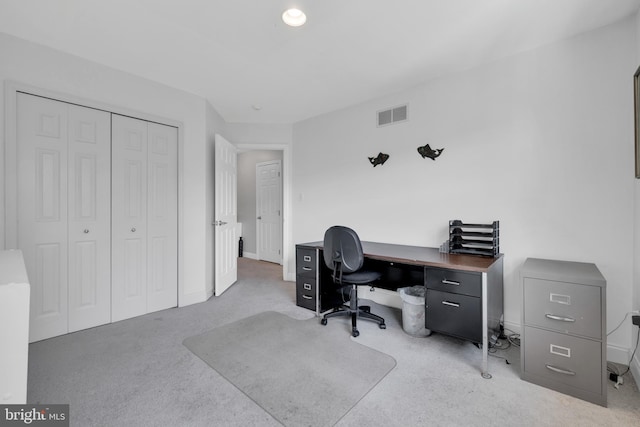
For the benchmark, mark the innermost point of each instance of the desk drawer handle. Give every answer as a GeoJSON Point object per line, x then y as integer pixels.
{"type": "Point", "coordinates": [560, 371]}
{"type": "Point", "coordinates": [307, 297]}
{"type": "Point", "coordinates": [307, 268]}
{"type": "Point", "coordinates": [449, 282]}
{"type": "Point", "coordinates": [306, 286]}
{"type": "Point", "coordinates": [306, 258]}
{"type": "Point", "coordinates": [451, 304]}
{"type": "Point", "coordinates": [561, 318]}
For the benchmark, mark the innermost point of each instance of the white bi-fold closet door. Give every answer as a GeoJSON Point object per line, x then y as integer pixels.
{"type": "Point", "coordinates": [144, 249]}
{"type": "Point", "coordinates": [64, 206]}
{"type": "Point", "coordinates": [68, 223]}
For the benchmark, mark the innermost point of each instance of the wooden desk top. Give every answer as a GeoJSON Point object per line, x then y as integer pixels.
{"type": "Point", "coordinates": [419, 255]}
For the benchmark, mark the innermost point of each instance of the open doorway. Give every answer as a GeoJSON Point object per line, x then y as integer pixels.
{"type": "Point", "coordinates": [262, 237]}
{"type": "Point", "coordinates": [269, 211]}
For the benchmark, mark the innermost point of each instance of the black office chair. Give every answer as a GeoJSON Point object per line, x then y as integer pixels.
{"type": "Point", "coordinates": [343, 255]}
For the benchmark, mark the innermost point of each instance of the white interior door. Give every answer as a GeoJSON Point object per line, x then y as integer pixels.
{"type": "Point", "coordinates": [42, 210]}
{"type": "Point", "coordinates": [226, 215]}
{"type": "Point", "coordinates": [129, 217]}
{"type": "Point", "coordinates": [64, 213]}
{"type": "Point", "coordinates": [269, 211]}
{"type": "Point", "coordinates": [162, 221]}
{"type": "Point", "coordinates": [89, 224]}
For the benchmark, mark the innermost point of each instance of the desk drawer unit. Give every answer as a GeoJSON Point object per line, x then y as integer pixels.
{"type": "Point", "coordinates": [563, 328]}
{"type": "Point", "coordinates": [307, 277]}
{"type": "Point", "coordinates": [454, 303]}
{"type": "Point", "coordinates": [454, 314]}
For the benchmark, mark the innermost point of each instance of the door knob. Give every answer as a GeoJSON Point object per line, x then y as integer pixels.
{"type": "Point", "coordinates": [260, 217]}
{"type": "Point", "coordinates": [86, 231]}
{"type": "Point", "coordinates": [133, 230]}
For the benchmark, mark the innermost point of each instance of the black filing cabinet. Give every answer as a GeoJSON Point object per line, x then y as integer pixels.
{"type": "Point", "coordinates": [454, 303]}
{"type": "Point", "coordinates": [306, 277]}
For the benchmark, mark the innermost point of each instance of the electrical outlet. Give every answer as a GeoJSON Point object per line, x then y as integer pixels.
{"type": "Point", "coordinates": [635, 320]}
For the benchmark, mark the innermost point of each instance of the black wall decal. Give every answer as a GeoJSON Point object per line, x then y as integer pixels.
{"type": "Point", "coordinates": [375, 161]}
{"type": "Point", "coordinates": [426, 151]}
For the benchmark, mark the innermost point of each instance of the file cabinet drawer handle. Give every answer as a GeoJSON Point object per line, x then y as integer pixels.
{"type": "Point", "coordinates": [306, 268]}
{"type": "Point", "coordinates": [561, 318]}
{"type": "Point", "coordinates": [307, 297]}
{"type": "Point", "coordinates": [307, 258]}
{"type": "Point", "coordinates": [560, 371]}
{"type": "Point", "coordinates": [450, 282]}
{"type": "Point", "coordinates": [451, 304]}
{"type": "Point", "coordinates": [306, 286]}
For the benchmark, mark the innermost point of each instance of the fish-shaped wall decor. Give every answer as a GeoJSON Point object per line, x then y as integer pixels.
{"type": "Point", "coordinates": [375, 161]}
{"type": "Point", "coordinates": [426, 151]}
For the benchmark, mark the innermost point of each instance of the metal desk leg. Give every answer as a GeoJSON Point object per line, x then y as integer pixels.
{"type": "Point", "coordinates": [485, 327]}
{"type": "Point", "coordinates": [318, 284]}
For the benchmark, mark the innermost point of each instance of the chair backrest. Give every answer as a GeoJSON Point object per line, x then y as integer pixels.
{"type": "Point", "coordinates": [342, 250]}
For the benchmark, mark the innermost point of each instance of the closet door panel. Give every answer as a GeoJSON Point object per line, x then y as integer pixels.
{"type": "Point", "coordinates": [162, 289]}
{"type": "Point", "coordinates": [89, 190]}
{"type": "Point", "coordinates": [42, 210]}
{"type": "Point", "coordinates": [129, 217]}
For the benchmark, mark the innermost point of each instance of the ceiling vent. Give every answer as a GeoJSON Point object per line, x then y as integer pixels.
{"type": "Point", "coordinates": [392, 115]}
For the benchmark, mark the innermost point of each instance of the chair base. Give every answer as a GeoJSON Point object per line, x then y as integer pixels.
{"type": "Point", "coordinates": [354, 311]}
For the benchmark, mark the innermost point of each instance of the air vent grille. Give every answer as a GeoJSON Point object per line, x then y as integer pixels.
{"type": "Point", "coordinates": [392, 115]}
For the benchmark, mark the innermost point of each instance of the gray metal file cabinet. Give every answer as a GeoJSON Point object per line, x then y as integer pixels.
{"type": "Point", "coordinates": [564, 328]}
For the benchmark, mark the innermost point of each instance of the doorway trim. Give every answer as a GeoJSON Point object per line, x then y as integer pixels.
{"type": "Point", "coordinates": [287, 224]}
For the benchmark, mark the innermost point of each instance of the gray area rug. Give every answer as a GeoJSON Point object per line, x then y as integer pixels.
{"type": "Point", "coordinates": [299, 371]}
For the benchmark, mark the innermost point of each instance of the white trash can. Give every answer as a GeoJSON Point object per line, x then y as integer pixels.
{"type": "Point", "coordinates": [413, 311]}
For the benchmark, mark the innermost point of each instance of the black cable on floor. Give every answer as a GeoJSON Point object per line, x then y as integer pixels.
{"type": "Point", "coordinates": [633, 354]}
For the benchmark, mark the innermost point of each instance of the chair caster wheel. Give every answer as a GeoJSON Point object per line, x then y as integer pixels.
{"type": "Point", "coordinates": [323, 322]}
{"type": "Point", "coordinates": [382, 326]}
{"type": "Point", "coordinates": [355, 333]}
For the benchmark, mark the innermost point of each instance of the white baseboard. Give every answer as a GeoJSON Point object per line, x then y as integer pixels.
{"type": "Point", "coordinates": [249, 255]}
{"type": "Point", "coordinates": [515, 328]}
{"type": "Point", "coordinates": [192, 298]}
{"type": "Point", "coordinates": [621, 355]}
{"type": "Point", "coordinates": [380, 296]}
{"type": "Point", "coordinates": [617, 354]}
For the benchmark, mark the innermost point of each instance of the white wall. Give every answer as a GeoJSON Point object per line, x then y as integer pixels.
{"type": "Point", "coordinates": [53, 70]}
{"type": "Point", "coordinates": [259, 133]}
{"type": "Point", "coordinates": [539, 141]}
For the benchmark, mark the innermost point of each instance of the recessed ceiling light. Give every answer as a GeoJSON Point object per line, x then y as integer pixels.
{"type": "Point", "coordinates": [257, 107]}
{"type": "Point", "coordinates": [294, 17]}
